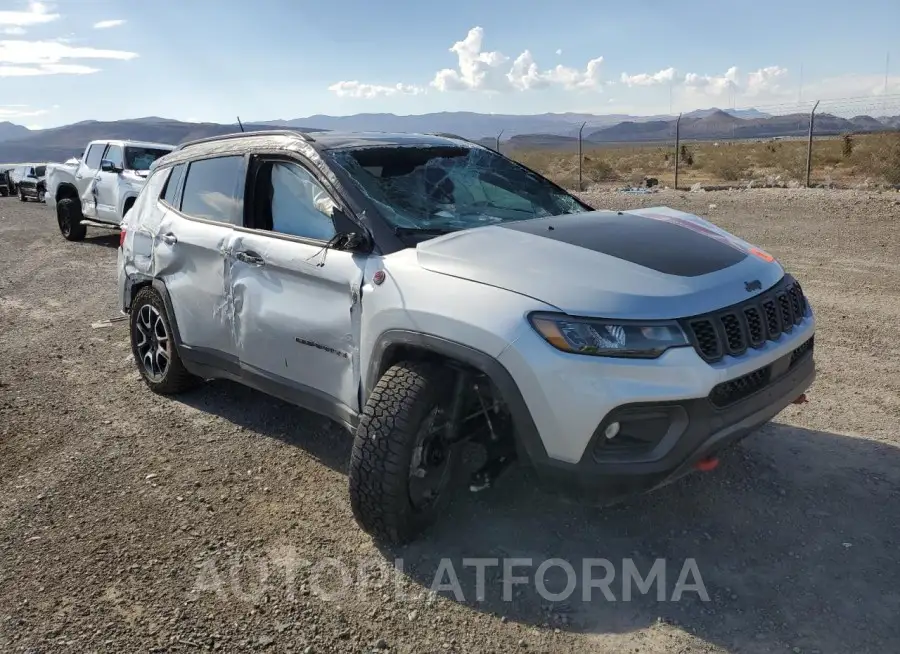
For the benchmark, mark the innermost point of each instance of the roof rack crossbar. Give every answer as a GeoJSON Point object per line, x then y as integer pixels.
{"type": "Point", "coordinates": [238, 135]}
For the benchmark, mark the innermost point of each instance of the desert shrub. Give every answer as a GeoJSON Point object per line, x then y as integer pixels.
{"type": "Point", "coordinates": [727, 169]}
{"type": "Point", "coordinates": [846, 145]}
{"type": "Point", "coordinates": [599, 170]}
{"type": "Point", "coordinates": [884, 160]}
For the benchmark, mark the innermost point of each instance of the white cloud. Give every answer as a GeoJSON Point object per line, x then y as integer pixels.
{"type": "Point", "coordinates": [355, 89]}
{"type": "Point", "coordinates": [665, 76]}
{"type": "Point", "coordinates": [28, 58]}
{"type": "Point", "coordinates": [526, 75]}
{"type": "Point", "coordinates": [106, 24]}
{"type": "Point", "coordinates": [481, 70]}
{"type": "Point", "coordinates": [713, 84]}
{"type": "Point", "coordinates": [20, 111]}
{"type": "Point", "coordinates": [14, 31]}
{"type": "Point", "coordinates": [46, 69]}
{"type": "Point", "coordinates": [765, 80]}
{"type": "Point", "coordinates": [37, 14]}
{"type": "Point", "coordinates": [478, 69]}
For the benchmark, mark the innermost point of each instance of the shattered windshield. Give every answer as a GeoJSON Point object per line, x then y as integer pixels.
{"type": "Point", "coordinates": [449, 188]}
{"type": "Point", "coordinates": [140, 158]}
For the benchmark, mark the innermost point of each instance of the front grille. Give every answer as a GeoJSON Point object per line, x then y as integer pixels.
{"type": "Point", "coordinates": [735, 390]}
{"type": "Point", "coordinates": [740, 388]}
{"type": "Point", "coordinates": [748, 324]}
{"type": "Point", "coordinates": [801, 351]}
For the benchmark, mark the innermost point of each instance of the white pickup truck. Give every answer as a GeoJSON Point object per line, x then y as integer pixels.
{"type": "Point", "coordinates": [102, 186]}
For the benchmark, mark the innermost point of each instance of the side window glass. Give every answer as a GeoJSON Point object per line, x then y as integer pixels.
{"type": "Point", "coordinates": [299, 205]}
{"type": "Point", "coordinates": [171, 189]}
{"type": "Point", "coordinates": [95, 153]}
{"type": "Point", "coordinates": [213, 190]}
{"type": "Point", "coordinates": [114, 154]}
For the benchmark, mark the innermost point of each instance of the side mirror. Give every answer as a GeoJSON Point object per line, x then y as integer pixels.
{"type": "Point", "coordinates": [353, 241]}
{"type": "Point", "coordinates": [108, 166]}
{"type": "Point", "coordinates": [350, 236]}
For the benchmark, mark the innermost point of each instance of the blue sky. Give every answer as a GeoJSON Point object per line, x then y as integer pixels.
{"type": "Point", "coordinates": [72, 60]}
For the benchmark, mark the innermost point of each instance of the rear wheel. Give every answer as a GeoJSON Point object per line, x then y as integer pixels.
{"type": "Point", "coordinates": [402, 466]}
{"type": "Point", "coordinates": [68, 216]}
{"type": "Point", "coordinates": [154, 348]}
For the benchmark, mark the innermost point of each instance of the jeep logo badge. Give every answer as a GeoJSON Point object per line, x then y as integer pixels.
{"type": "Point", "coordinates": [755, 285]}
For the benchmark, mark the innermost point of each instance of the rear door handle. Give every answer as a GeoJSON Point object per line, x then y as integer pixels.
{"type": "Point", "coordinates": [250, 258]}
{"type": "Point", "coordinates": [169, 238]}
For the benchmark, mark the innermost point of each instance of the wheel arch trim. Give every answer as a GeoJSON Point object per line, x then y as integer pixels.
{"type": "Point", "coordinates": [529, 445]}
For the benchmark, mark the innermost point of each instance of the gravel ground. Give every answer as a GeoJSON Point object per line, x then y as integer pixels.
{"type": "Point", "coordinates": [220, 520]}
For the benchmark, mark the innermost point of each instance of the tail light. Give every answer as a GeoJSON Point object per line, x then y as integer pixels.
{"type": "Point", "coordinates": [122, 238]}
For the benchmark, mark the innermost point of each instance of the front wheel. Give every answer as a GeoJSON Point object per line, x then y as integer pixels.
{"type": "Point", "coordinates": [22, 197]}
{"type": "Point", "coordinates": [402, 466]}
{"type": "Point", "coordinates": [68, 216]}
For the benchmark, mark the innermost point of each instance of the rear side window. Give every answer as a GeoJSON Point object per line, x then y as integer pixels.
{"type": "Point", "coordinates": [170, 192]}
{"type": "Point", "coordinates": [214, 190]}
{"type": "Point", "coordinates": [94, 154]}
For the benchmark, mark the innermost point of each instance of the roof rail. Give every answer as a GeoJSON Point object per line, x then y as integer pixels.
{"type": "Point", "coordinates": [239, 135]}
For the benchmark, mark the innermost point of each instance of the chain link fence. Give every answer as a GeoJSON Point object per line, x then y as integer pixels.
{"type": "Point", "coordinates": [845, 143]}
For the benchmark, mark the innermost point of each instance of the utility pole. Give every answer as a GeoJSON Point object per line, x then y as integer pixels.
{"type": "Point", "coordinates": [887, 70]}
{"type": "Point", "coordinates": [812, 116]}
{"type": "Point", "coordinates": [677, 150]}
{"type": "Point", "coordinates": [580, 157]}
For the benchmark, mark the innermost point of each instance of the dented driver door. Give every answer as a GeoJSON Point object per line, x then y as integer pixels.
{"type": "Point", "coordinates": [296, 320]}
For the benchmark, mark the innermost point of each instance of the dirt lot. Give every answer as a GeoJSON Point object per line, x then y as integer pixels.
{"type": "Point", "coordinates": [133, 523]}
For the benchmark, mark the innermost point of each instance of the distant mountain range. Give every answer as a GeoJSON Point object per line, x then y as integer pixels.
{"type": "Point", "coordinates": [476, 126]}
{"type": "Point", "coordinates": [551, 131]}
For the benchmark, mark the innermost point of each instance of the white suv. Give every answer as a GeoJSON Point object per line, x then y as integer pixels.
{"type": "Point", "coordinates": [426, 292]}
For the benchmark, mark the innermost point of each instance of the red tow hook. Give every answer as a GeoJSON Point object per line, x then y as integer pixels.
{"type": "Point", "coordinates": [707, 464]}
{"type": "Point", "coordinates": [801, 400]}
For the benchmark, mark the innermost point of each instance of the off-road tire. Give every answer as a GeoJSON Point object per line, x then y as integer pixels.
{"type": "Point", "coordinates": [22, 197]}
{"type": "Point", "coordinates": [383, 449]}
{"type": "Point", "coordinates": [68, 217]}
{"type": "Point", "coordinates": [176, 379]}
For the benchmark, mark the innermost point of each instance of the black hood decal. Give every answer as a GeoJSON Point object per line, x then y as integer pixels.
{"type": "Point", "coordinates": [656, 244]}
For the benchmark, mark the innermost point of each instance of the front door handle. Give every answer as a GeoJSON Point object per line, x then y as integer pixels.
{"type": "Point", "coordinates": [169, 238]}
{"type": "Point", "coordinates": [250, 258]}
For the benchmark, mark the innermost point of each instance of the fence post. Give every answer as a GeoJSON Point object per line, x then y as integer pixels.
{"type": "Point", "coordinates": [580, 158]}
{"type": "Point", "coordinates": [812, 116]}
{"type": "Point", "coordinates": [677, 153]}
{"type": "Point", "coordinates": [498, 139]}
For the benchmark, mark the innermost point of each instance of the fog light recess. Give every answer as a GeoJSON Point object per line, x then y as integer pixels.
{"type": "Point", "coordinates": [612, 430]}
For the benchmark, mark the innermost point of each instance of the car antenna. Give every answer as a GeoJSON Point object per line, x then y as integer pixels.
{"type": "Point", "coordinates": [240, 124]}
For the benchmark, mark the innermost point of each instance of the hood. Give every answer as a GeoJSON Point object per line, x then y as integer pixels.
{"type": "Point", "coordinates": [653, 263]}
{"type": "Point", "coordinates": [136, 176]}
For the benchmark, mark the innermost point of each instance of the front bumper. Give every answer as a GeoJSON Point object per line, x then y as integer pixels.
{"type": "Point", "coordinates": [699, 430]}
{"type": "Point", "coordinates": [673, 411]}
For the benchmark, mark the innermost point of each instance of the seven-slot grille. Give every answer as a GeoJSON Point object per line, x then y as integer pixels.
{"type": "Point", "coordinates": [748, 324]}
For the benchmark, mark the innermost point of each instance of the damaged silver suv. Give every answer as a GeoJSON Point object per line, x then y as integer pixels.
{"type": "Point", "coordinates": [428, 293]}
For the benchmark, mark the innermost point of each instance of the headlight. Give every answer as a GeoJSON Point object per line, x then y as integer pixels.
{"type": "Point", "coordinates": [608, 338]}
